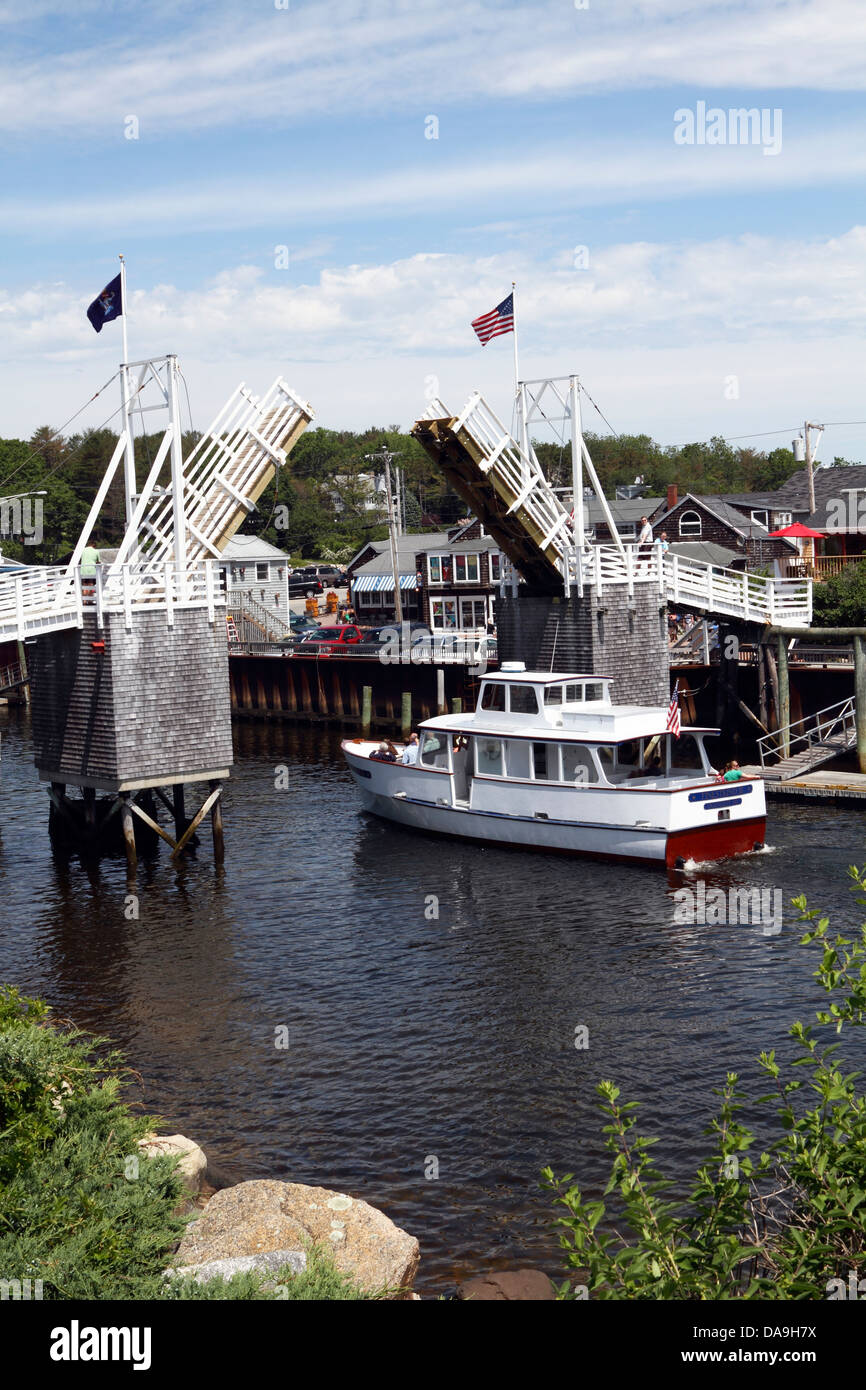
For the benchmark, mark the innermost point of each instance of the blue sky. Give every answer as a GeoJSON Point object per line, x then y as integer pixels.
{"type": "Point", "coordinates": [304, 127]}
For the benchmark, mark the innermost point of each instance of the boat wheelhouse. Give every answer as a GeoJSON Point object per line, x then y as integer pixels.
{"type": "Point", "coordinates": [547, 761]}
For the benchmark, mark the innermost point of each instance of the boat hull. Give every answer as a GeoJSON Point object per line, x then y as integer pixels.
{"type": "Point", "coordinates": [647, 845]}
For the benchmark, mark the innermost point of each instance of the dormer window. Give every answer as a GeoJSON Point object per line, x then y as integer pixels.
{"type": "Point", "coordinates": [691, 526]}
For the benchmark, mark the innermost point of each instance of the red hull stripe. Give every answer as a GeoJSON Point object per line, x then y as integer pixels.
{"type": "Point", "coordinates": [715, 841]}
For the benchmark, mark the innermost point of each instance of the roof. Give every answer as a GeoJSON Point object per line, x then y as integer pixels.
{"type": "Point", "coordinates": [730, 516]}
{"type": "Point", "coordinates": [831, 484]}
{"type": "Point", "coordinates": [252, 548]}
{"type": "Point", "coordinates": [707, 551]}
{"type": "Point", "coordinates": [624, 510]}
{"type": "Point", "coordinates": [546, 677]}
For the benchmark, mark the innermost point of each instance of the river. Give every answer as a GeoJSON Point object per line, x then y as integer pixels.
{"type": "Point", "coordinates": [431, 992]}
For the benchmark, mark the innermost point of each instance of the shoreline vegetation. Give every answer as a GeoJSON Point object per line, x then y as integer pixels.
{"type": "Point", "coordinates": [786, 1223]}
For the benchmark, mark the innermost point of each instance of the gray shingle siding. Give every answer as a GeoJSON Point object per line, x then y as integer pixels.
{"type": "Point", "coordinates": [154, 704]}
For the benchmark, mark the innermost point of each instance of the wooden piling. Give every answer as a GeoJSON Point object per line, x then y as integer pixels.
{"type": "Point", "coordinates": [860, 700]}
{"type": "Point", "coordinates": [128, 822]}
{"type": "Point", "coordinates": [441, 707]}
{"type": "Point", "coordinates": [784, 695]}
{"type": "Point", "coordinates": [216, 824]}
{"type": "Point", "coordinates": [406, 714]}
{"type": "Point", "coordinates": [366, 710]}
{"type": "Point", "coordinates": [457, 705]}
{"type": "Point", "coordinates": [179, 810]}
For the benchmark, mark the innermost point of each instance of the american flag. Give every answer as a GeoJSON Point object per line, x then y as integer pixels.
{"type": "Point", "coordinates": [673, 724]}
{"type": "Point", "coordinates": [499, 320]}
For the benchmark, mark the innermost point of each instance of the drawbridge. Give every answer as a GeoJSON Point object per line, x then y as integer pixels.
{"type": "Point", "coordinates": [503, 484]}
{"type": "Point", "coordinates": [175, 532]}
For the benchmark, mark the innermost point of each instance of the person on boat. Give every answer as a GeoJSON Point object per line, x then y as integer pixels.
{"type": "Point", "coordinates": [410, 752]}
{"type": "Point", "coordinates": [385, 753]}
{"type": "Point", "coordinates": [732, 772]}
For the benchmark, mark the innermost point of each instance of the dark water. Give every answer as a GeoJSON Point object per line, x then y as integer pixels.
{"type": "Point", "coordinates": [411, 1037]}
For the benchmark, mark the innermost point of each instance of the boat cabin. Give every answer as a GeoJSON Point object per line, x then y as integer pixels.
{"type": "Point", "coordinates": [531, 726]}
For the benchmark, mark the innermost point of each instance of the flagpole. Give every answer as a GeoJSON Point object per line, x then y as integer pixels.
{"type": "Point", "coordinates": [514, 312]}
{"type": "Point", "coordinates": [129, 481]}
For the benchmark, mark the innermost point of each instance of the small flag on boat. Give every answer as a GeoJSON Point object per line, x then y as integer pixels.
{"type": "Point", "coordinates": [106, 306]}
{"type": "Point", "coordinates": [499, 320]}
{"type": "Point", "coordinates": [673, 724]}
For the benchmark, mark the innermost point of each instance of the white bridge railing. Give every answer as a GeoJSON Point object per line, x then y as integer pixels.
{"type": "Point", "coordinates": [38, 601]}
{"type": "Point", "coordinates": [693, 584]}
{"type": "Point", "coordinates": [522, 490]}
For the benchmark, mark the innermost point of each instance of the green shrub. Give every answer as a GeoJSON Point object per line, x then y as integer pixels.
{"type": "Point", "coordinates": [782, 1225]}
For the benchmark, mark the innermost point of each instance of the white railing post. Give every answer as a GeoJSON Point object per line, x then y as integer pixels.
{"type": "Point", "coordinates": [598, 580]}
{"type": "Point", "coordinates": [169, 605]}
{"type": "Point", "coordinates": [709, 587]}
{"type": "Point", "coordinates": [208, 589]}
{"type": "Point", "coordinates": [100, 616]}
{"type": "Point", "coordinates": [629, 570]}
{"type": "Point", "coordinates": [675, 576]}
{"type": "Point", "coordinates": [19, 605]}
{"type": "Point", "coordinates": [127, 598]}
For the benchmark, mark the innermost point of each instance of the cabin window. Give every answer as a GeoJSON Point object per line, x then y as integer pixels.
{"type": "Point", "coordinates": [594, 691]}
{"type": "Point", "coordinates": [518, 758]}
{"type": "Point", "coordinates": [553, 694]}
{"type": "Point", "coordinates": [488, 757]}
{"type": "Point", "coordinates": [690, 524]}
{"type": "Point", "coordinates": [545, 762]}
{"type": "Point", "coordinates": [493, 696]}
{"type": "Point", "coordinates": [434, 750]}
{"type": "Point", "coordinates": [577, 764]}
{"type": "Point", "coordinates": [523, 699]}
{"type": "Point", "coordinates": [628, 756]}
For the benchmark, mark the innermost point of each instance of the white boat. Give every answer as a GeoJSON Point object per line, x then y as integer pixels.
{"type": "Point", "coordinates": [548, 762]}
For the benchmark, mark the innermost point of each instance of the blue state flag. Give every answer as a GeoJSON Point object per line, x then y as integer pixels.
{"type": "Point", "coordinates": [106, 306]}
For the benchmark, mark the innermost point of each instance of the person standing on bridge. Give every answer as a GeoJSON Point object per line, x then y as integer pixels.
{"type": "Point", "coordinates": [89, 561]}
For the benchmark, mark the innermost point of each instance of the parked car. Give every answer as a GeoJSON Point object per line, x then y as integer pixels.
{"type": "Point", "coordinates": [333, 577]}
{"type": "Point", "coordinates": [300, 625]}
{"type": "Point", "coordinates": [330, 641]}
{"type": "Point", "coordinates": [392, 632]}
{"type": "Point", "coordinates": [302, 584]}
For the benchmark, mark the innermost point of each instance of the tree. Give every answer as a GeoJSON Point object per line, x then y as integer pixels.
{"type": "Point", "coordinates": [841, 601]}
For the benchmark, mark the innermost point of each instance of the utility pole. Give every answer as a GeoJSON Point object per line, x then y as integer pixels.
{"type": "Point", "coordinates": [809, 473]}
{"type": "Point", "coordinates": [384, 457]}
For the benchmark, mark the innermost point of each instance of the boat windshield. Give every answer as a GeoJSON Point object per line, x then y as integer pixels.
{"type": "Point", "coordinates": [434, 750]}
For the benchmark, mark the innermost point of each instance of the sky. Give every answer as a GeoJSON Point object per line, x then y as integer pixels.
{"type": "Point", "coordinates": [331, 190]}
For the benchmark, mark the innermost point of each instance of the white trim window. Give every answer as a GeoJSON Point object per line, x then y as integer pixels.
{"type": "Point", "coordinates": [466, 569]}
{"type": "Point", "coordinates": [761, 519]}
{"type": "Point", "coordinates": [443, 614]}
{"type": "Point", "coordinates": [263, 571]}
{"type": "Point", "coordinates": [439, 569]}
{"type": "Point", "coordinates": [494, 559]}
{"type": "Point", "coordinates": [691, 526]}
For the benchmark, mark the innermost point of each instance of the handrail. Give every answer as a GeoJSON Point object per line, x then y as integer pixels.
{"type": "Point", "coordinates": [840, 716]}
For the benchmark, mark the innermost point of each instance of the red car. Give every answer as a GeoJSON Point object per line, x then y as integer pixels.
{"type": "Point", "coordinates": [330, 641]}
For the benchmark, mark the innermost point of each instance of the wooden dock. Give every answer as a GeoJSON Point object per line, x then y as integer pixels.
{"type": "Point", "coordinates": [818, 786]}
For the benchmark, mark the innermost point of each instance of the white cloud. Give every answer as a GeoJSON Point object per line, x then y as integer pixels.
{"type": "Point", "coordinates": [654, 330]}
{"type": "Point", "coordinates": [348, 58]}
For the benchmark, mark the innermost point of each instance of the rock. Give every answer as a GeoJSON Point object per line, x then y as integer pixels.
{"type": "Point", "coordinates": [525, 1284]}
{"type": "Point", "coordinates": [261, 1216]}
{"type": "Point", "coordinates": [193, 1163]}
{"type": "Point", "coordinates": [266, 1263]}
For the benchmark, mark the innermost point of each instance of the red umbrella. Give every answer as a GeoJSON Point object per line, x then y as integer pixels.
{"type": "Point", "coordinates": [798, 530]}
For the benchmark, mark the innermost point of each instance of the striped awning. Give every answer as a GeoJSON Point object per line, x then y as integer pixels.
{"type": "Point", "coordinates": [375, 583]}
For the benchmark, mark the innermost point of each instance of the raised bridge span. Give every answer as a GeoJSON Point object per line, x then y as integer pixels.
{"type": "Point", "coordinates": [168, 555]}
{"type": "Point", "coordinates": [506, 489]}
